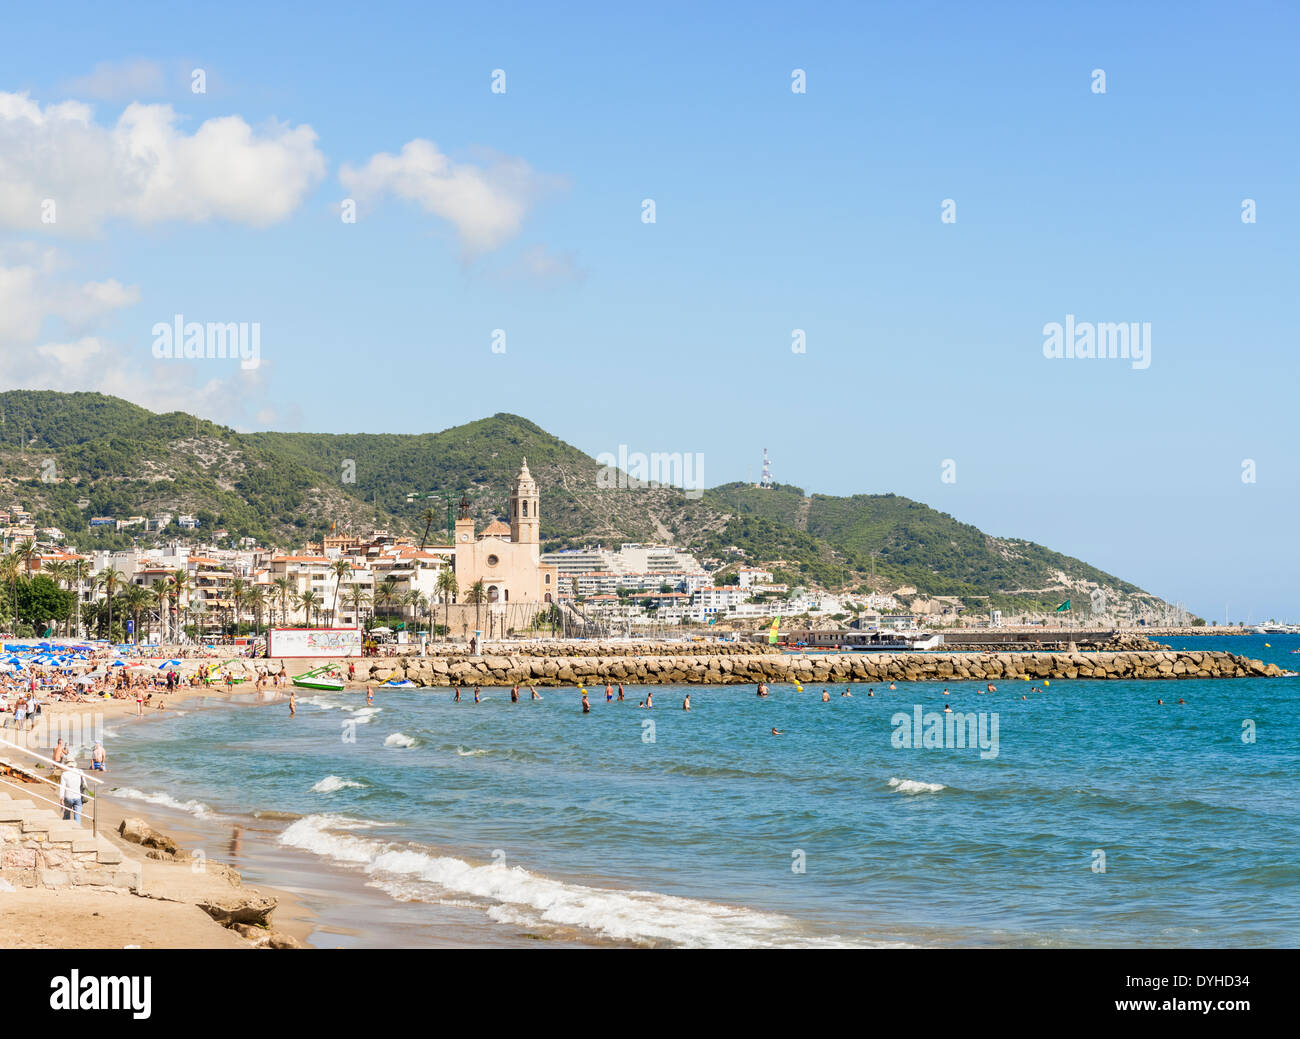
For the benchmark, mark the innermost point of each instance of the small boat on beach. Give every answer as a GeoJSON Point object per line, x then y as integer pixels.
{"type": "Point", "coordinates": [326, 678]}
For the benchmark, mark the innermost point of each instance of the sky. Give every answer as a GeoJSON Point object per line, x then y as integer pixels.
{"type": "Point", "coordinates": [859, 276]}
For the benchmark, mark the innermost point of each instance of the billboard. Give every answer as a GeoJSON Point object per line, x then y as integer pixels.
{"type": "Point", "coordinates": [314, 642]}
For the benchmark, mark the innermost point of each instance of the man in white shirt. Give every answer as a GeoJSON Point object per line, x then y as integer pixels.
{"type": "Point", "coordinates": [70, 790]}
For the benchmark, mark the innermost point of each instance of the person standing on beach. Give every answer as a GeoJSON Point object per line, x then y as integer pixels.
{"type": "Point", "coordinates": [71, 786]}
{"type": "Point", "coordinates": [352, 670]}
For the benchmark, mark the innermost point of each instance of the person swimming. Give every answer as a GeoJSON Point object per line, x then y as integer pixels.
{"type": "Point", "coordinates": [649, 700]}
{"type": "Point", "coordinates": [846, 693]}
{"type": "Point", "coordinates": [777, 732]}
{"type": "Point", "coordinates": [947, 708]}
{"type": "Point", "coordinates": [826, 697]}
{"type": "Point", "coordinates": [686, 704]}
{"type": "Point", "coordinates": [534, 692]}
{"type": "Point", "coordinates": [892, 686]}
{"type": "Point", "coordinates": [586, 707]}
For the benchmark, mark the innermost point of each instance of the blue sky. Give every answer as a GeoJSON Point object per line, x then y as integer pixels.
{"type": "Point", "coordinates": [774, 211]}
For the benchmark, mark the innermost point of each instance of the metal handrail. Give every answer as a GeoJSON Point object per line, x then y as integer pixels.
{"type": "Point", "coordinates": [59, 806]}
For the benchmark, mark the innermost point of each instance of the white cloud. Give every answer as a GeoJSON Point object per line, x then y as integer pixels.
{"type": "Point", "coordinates": [143, 168]}
{"type": "Point", "coordinates": [485, 203]}
{"type": "Point", "coordinates": [54, 335]}
{"type": "Point", "coordinates": [114, 80]}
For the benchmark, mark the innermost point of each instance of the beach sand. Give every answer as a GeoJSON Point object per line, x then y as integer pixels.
{"type": "Point", "coordinates": [165, 914]}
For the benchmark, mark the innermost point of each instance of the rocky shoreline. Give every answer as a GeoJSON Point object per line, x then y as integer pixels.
{"type": "Point", "coordinates": [662, 668]}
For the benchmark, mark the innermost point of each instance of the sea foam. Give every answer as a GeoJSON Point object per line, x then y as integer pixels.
{"type": "Point", "coordinates": [399, 739]}
{"type": "Point", "coordinates": [915, 786]}
{"type": "Point", "coordinates": [511, 894]}
{"type": "Point", "coordinates": [331, 783]}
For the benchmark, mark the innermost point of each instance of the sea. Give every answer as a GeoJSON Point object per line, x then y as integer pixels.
{"type": "Point", "coordinates": [1079, 813]}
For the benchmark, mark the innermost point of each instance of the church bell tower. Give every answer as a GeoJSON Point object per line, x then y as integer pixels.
{"type": "Point", "coordinates": [525, 523]}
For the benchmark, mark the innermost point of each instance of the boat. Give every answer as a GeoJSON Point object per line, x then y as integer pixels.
{"type": "Point", "coordinates": [326, 678]}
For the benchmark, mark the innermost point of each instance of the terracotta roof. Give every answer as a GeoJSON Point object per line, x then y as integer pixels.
{"type": "Point", "coordinates": [494, 528]}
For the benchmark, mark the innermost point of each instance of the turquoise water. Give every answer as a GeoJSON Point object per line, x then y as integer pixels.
{"type": "Point", "coordinates": [543, 821]}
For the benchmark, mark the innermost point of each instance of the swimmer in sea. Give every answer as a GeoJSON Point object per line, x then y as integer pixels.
{"type": "Point", "coordinates": [846, 693]}
{"type": "Point", "coordinates": [586, 707]}
{"type": "Point", "coordinates": [534, 692]}
{"type": "Point", "coordinates": [1160, 701]}
{"type": "Point", "coordinates": [370, 697]}
{"type": "Point", "coordinates": [609, 692]}
{"type": "Point", "coordinates": [1181, 700]}
{"type": "Point", "coordinates": [945, 692]}
{"type": "Point", "coordinates": [892, 686]}
{"type": "Point", "coordinates": [640, 705]}
{"type": "Point", "coordinates": [947, 708]}
{"type": "Point", "coordinates": [649, 700]}
{"type": "Point", "coordinates": [620, 692]}
{"type": "Point", "coordinates": [514, 694]}
{"type": "Point", "coordinates": [476, 697]}
{"type": "Point", "coordinates": [826, 697]}
{"type": "Point", "coordinates": [686, 704]}
{"type": "Point", "coordinates": [293, 705]}
{"type": "Point", "coordinates": [457, 699]}
{"type": "Point", "coordinates": [777, 732]}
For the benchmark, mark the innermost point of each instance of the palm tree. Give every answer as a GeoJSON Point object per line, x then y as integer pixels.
{"type": "Point", "coordinates": [385, 594]}
{"type": "Point", "coordinates": [308, 601]}
{"type": "Point", "coordinates": [135, 599]}
{"type": "Point", "coordinates": [340, 568]}
{"type": "Point", "coordinates": [478, 596]}
{"type": "Point", "coordinates": [357, 597]}
{"type": "Point", "coordinates": [110, 579]}
{"type": "Point", "coordinates": [447, 588]}
{"type": "Point", "coordinates": [282, 588]}
{"type": "Point", "coordinates": [162, 597]}
{"type": "Point", "coordinates": [178, 586]}
{"type": "Point", "coordinates": [419, 604]}
{"type": "Point", "coordinates": [255, 598]}
{"type": "Point", "coordinates": [238, 590]}
{"type": "Point", "coordinates": [429, 517]}
{"type": "Point", "coordinates": [81, 572]}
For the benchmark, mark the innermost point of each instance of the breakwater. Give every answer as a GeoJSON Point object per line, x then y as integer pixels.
{"type": "Point", "coordinates": [672, 668]}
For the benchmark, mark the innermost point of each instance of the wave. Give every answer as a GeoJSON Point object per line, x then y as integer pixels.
{"type": "Point", "coordinates": [195, 808]}
{"type": "Point", "coordinates": [363, 714]}
{"type": "Point", "coordinates": [514, 895]}
{"type": "Point", "coordinates": [399, 739]}
{"type": "Point", "coordinates": [462, 752]}
{"type": "Point", "coordinates": [915, 786]}
{"type": "Point", "coordinates": [316, 701]}
{"type": "Point", "coordinates": [331, 783]}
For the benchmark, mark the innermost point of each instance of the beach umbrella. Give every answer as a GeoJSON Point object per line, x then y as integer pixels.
{"type": "Point", "coordinates": [85, 680]}
{"type": "Point", "coordinates": [169, 663]}
{"type": "Point", "coordinates": [119, 663]}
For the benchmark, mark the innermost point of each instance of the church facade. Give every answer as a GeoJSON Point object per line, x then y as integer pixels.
{"type": "Point", "coordinates": [507, 559]}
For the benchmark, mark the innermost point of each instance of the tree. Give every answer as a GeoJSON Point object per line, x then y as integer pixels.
{"type": "Point", "coordinates": [358, 598]}
{"type": "Point", "coordinates": [110, 579]}
{"type": "Point", "coordinates": [429, 517]}
{"type": "Point", "coordinates": [39, 601]}
{"type": "Point", "coordinates": [340, 568]}
{"type": "Point", "coordinates": [477, 595]}
{"type": "Point", "coordinates": [447, 588]}
{"type": "Point", "coordinates": [308, 601]}
{"type": "Point", "coordinates": [135, 599]}
{"type": "Point", "coordinates": [283, 586]}
{"type": "Point", "coordinates": [179, 585]}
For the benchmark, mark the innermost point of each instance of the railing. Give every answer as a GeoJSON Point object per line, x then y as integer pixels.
{"type": "Point", "coordinates": [57, 802]}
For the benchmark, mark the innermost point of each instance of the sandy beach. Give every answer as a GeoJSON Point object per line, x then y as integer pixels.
{"type": "Point", "coordinates": [166, 913]}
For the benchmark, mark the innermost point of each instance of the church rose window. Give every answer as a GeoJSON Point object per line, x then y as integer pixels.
{"type": "Point", "coordinates": [492, 560]}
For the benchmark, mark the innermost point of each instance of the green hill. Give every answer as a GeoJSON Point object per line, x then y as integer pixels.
{"type": "Point", "coordinates": [68, 457]}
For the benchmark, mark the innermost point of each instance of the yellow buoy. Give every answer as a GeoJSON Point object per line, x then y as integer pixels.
{"type": "Point", "coordinates": [1046, 682]}
{"type": "Point", "coordinates": [798, 687]}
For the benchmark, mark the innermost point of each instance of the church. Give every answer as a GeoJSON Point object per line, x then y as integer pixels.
{"type": "Point", "coordinates": [507, 559]}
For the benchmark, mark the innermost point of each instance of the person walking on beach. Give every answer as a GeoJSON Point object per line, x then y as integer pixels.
{"type": "Point", "coordinates": [352, 670]}
{"type": "Point", "coordinates": [71, 786]}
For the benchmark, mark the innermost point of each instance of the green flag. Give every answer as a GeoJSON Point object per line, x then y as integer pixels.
{"type": "Point", "coordinates": [1063, 607]}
